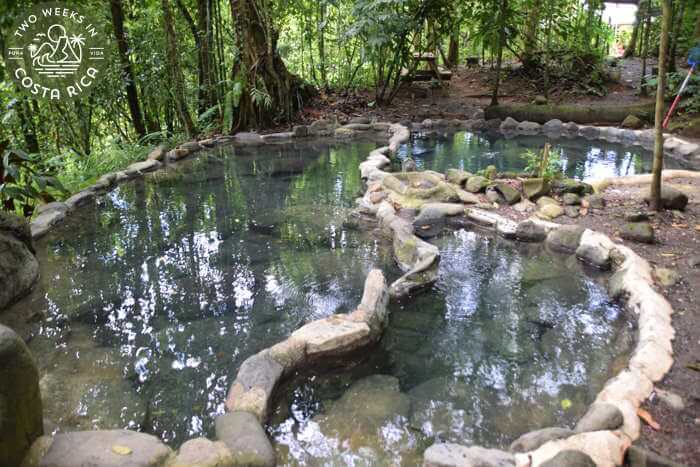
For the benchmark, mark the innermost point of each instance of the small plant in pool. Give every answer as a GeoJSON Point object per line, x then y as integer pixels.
{"type": "Point", "coordinates": [546, 163]}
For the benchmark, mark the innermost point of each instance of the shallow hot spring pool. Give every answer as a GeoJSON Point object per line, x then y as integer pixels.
{"type": "Point", "coordinates": [510, 339]}
{"type": "Point", "coordinates": [150, 299]}
{"type": "Point", "coordinates": [581, 158]}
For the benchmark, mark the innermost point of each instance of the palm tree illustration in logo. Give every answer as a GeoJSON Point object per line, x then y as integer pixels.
{"type": "Point", "coordinates": [57, 55]}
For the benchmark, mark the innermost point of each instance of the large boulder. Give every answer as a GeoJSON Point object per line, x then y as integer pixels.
{"type": "Point", "coordinates": [476, 184]}
{"type": "Point", "coordinates": [671, 198]}
{"type": "Point", "coordinates": [18, 266]}
{"type": "Point", "coordinates": [535, 187]}
{"type": "Point", "coordinates": [245, 438]}
{"type": "Point", "coordinates": [201, 452]}
{"type": "Point", "coordinates": [565, 239]}
{"type": "Point", "coordinates": [21, 420]}
{"type": "Point", "coordinates": [632, 122]}
{"type": "Point", "coordinates": [510, 194]}
{"type": "Point", "coordinates": [569, 185]}
{"type": "Point", "coordinates": [105, 448]}
{"type": "Point", "coordinates": [534, 439]}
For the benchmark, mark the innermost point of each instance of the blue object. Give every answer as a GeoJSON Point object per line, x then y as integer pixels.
{"type": "Point", "coordinates": [694, 56]}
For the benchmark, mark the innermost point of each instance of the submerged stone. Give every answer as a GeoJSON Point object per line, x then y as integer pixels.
{"type": "Point", "coordinates": [245, 438]}
{"type": "Point", "coordinates": [105, 448]}
{"type": "Point", "coordinates": [455, 455]}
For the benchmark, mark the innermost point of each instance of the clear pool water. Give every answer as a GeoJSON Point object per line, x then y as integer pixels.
{"type": "Point", "coordinates": [148, 303]}
{"type": "Point", "coordinates": [581, 158]}
{"type": "Point", "coordinates": [510, 339]}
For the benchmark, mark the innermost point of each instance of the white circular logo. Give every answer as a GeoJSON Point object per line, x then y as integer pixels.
{"type": "Point", "coordinates": [56, 51]}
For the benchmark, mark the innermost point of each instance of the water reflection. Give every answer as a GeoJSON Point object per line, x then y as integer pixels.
{"type": "Point", "coordinates": [150, 301]}
{"type": "Point", "coordinates": [581, 158]}
{"type": "Point", "coordinates": [511, 339]}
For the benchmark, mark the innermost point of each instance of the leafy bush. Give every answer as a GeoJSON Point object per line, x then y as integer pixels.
{"type": "Point", "coordinates": [25, 182]}
{"type": "Point", "coordinates": [546, 163]}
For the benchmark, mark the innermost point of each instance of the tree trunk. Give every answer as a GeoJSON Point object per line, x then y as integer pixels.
{"type": "Point", "coordinates": [530, 37]}
{"type": "Point", "coordinates": [132, 96]}
{"type": "Point", "coordinates": [207, 76]}
{"type": "Point", "coordinates": [261, 70]}
{"type": "Point", "coordinates": [501, 44]}
{"type": "Point", "coordinates": [632, 45]}
{"type": "Point", "coordinates": [175, 72]}
{"type": "Point", "coordinates": [677, 28]}
{"type": "Point", "coordinates": [321, 42]}
{"type": "Point", "coordinates": [453, 50]}
{"type": "Point", "coordinates": [659, 114]}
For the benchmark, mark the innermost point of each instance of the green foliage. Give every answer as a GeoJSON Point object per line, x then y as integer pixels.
{"type": "Point", "coordinates": [25, 182]}
{"type": "Point", "coordinates": [546, 163]}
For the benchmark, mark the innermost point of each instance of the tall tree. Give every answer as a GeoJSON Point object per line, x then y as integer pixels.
{"type": "Point", "coordinates": [632, 45]}
{"type": "Point", "coordinates": [659, 114]}
{"type": "Point", "coordinates": [175, 71]}
{"type": "Point", "coordinates": [132, 97]}
{"type": "Point", "coordinates": [499, 48]}
{"type": "Point", "coordinates": [270, 91]}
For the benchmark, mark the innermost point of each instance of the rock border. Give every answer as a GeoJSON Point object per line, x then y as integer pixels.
{"type": "Point", "coordinates": [259, 375]}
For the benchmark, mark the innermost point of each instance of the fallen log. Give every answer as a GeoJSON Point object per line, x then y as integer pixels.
{"type": "Point", "coordinates": [586, 114]}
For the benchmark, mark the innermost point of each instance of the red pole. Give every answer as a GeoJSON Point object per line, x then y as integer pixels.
{"type": "Point", "coordinates": [677, 99]}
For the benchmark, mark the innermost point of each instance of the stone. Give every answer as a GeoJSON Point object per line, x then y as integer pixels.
{"type": "Point", "coordinates": [588, 131]}
{"type": "Point", "coordinates": [143, 167]}
{"type": "Point", "coordinates": [79, 199]}
{"type": "Point", "coordinates": [201, 452]}
{"type": "Point", "coordinates": [157, 153]}
{"type": "Point", "coordinates": [177, 154]}
{"type": "Point", "coordinates": [595, 201]}
{"type": "Point", "coordinates": [529, 128]}
{"type": "Point", "coordinates": [637, 456]}
{"type": "Point", "coordinates": [509, 124]}
{"type": "Point", "coordinates": [358, 126]}
{"type": "Point", "coordinates": [332, 336]}
{"type": "Point", "coordinates": [37, 451]}
{"type": "Point", "coordinates": [21, 419]}
{"type": "Point", "coordinates": [457, 176]}
{"type": "Point", "coordinates": [256, 380]}
{"type": "Point", "coordinates": [569, 185]}
{"type": "Point", "coordinates": [53, 206]}
{"type": "Point", "coordinates": [553, 126]}
{"type": "Point", "coordinates": [245, 438]}
{"type": "Point", "coordinates": [534, 439]}
{"type": "Point", "coordinates": [666, 277]}
{"type": "Point", "coordinates": [430, 221]}
{"type": "Point", "coordinates": [510, 194]}
{"type": "Point", "coordinates": [565, 239]}
{"type": "Point", "coordinates": [693, 261]}
{"type": "Point", "coordinates": [377, 196]}
{"type": "Point", "coordinates": [571, 199]}
{"type": "Point", "coordinates": [490, 172]}
{"type": "Point", "coordinates": [569, 458]}
{"type": "Point", "coordinates": [289, 353]}
{"type": "Point", "coordinates": [19, 268]}
{"type": "Point", "coordinates": [360, 120]}
{"type": "Point", "coordinates": [529, 231]}
{"type": "Point", "coordinates": [105, 448]}
{"type": "Point", "coordinates": [408, 165]}
{"type": "Point", "coordinates": [524, 205]}
{"type": "Point", "coordinates": [248, 137]}
{"type": "Point", "coordinates": [594, 248]}
{"type": "Point", "coordinates": [540, 100]}
{"type": "Point", "coordinates": [671, 198]}
{"type": "Point", "coordinates": [41, 224]}
{"type": "Point", "coordinates": [671, 399]}
{"type": "Point", "coordinates": [476, 184]}
{"type": "Point", "coordinates": [546, 200]}
{"type": "Point", "coordinates": [638, 232]}
{"type": "Point", "coordinates": [190, 146]}
{"type": "Point", "coordinates": [632, 122]}
{"type": "Point", "coordinates": [455, 455]}
{"type": "Point", "coordinates": [492, 195]}
{"type": "Point", "coordinates": [278, 136]}
{"type": "Point", "coordinates": [535, 187]}
{"type": "Point", "coordinates": [572, 211]}
{"type": "Point", "coordinates": [600, 416]}
{"type": "Point", "coordinates": [550, 211]}
{"type": "Point", "coordinates": [300, 131]}
{"type": "Point", "coordinates": [571, 128]}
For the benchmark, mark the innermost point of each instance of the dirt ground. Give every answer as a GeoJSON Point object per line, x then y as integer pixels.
{"type": "Point", "coordinates": [677, 243]}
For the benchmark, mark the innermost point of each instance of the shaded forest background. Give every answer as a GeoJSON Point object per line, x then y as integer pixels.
{"type": "Point", "coordinates": [184, 68]}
